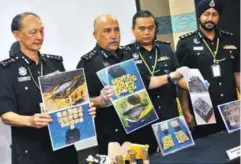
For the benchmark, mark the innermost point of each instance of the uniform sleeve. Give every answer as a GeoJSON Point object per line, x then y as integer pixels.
{"type": "Point", "coordinates": [237, 56]}
{"type": "Point", "coordinates": [174, 61]}
{"type": "Point", "coordinates": [7, 96]}
{"type": "Point", "coordinates": [80, 64]}
{"type": "Point", "coordinates": [146, 79]}
{"type": "Point", "coordinates": [182, 53]}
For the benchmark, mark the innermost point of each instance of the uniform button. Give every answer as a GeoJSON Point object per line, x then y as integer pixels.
{"type": "Point", "coordinates": [26, 88]}
{"type": "Point", "coordinates": [150, 57]}
{"type": "Point", "coordinates": [159, 107]}
{"type": "Point", "coordinates": [116, 130]}
{"type": "Point", "coordinates": [198, 53]}
{"type": "Point", "coordinates": [38, 72]}
{"type": "Point", "coordinates": [26, 151]}
{"type": "Point", "coordinates": [221, 95]}
{"type": "Point", "coordinates": [212, 43]}
{"type": "Point", "coordinates": [166, 71]}
{"type": "Point", "coordinates": [165, 65]}
{"type": "Point", "coordinates": [230, 52]}
{"type": "Point", "coordinates": [158, 96]}
{"type": "Point", "coordinates": [220, 83]}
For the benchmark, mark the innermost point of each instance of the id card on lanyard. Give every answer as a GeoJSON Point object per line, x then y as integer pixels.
{"type": "Point", "coordinates": [216, 70]}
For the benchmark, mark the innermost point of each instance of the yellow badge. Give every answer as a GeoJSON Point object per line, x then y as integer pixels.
{"type": "Point", "coordinates": [230, 47]}
{"type": "Point", "coordinates": [162, 58]}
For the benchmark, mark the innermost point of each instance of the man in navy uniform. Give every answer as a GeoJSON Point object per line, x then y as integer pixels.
{"type": "Point", "coordinates": [106, 52]}
{"type": "Point", "coordinates": [216, 54]}
{"type": "Point", "coordinates": [158, 67]}
{"type": "Point", "coordinates": [20, 96]}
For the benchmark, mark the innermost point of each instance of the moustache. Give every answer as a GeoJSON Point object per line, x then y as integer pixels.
{"type": "Point", "coordinates": [210, 23]}
{"type": "Point", "coordinates": [113, 41]}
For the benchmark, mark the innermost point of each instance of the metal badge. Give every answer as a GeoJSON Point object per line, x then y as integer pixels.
{"type": "Point", "coordinates": [135, 56]}
{"type": "Point", "coordinates": [106, 64]}
{"type": "Point", "coordinates": [22, 71]}
{"type": "Point", "coordinates": [196, 41]}
{"type": "Point", "coordinates": [212, 3]}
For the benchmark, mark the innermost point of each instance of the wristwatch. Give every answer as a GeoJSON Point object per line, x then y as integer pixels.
{"type": "Point", "coordinates": [174, 80]}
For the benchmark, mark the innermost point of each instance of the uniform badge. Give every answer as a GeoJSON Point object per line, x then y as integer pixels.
{"type": "Point", "coordinates": [22, 71]}
{"type": "Point", "coordinates": [232, 57]}
{"type": "Point", "coordinates": [196, 41]}
{"type": "Point", "coordinates": [135, 56]}
{"type": "Point", "coordinates": [106, 64]}
{"type": "Point", "coordinates": [229, 47]}
{"type": "Point", "coordinates": [212, 3]}
{"type": "Point", "coordinates": [163, 58]}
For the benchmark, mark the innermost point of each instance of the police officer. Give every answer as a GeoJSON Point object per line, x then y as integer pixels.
{"type": "Point", "coordinates": [106, 52]}
{"type": "Point", "coordinates": [158, 67]}
{"type": "Point", "coordinates": [20, 96]}
{"type": "Point", "coordinates": [216, 54]}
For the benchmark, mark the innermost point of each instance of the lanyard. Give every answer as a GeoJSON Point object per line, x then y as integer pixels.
{"type": "Point", "coordinates": [41, 73]}
{"type": "Point", "coordinates": [153, 70]}
{"type": "Point", "coordinates": [214, 53]}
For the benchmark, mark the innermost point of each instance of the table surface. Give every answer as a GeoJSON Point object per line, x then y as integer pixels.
{"type": "Point", "coordinates": [211, 149]}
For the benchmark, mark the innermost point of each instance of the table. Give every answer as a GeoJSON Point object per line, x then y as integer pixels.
{"type": "Point", "coordinates": [211, 149]}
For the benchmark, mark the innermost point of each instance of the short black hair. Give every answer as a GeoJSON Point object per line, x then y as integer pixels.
{"type": "Point", "coordinates": [141, 14]}
{"type": "Point", "coordinates": [17, 20]}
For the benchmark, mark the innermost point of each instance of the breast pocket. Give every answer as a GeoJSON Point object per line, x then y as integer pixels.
{"type": "Point", "coordinates": [163, 67]}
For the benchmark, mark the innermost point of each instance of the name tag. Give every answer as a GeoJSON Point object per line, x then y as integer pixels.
{"type": "Point", "coordinates": [23, 79]}
{"type": "Point", "coordinates": [138, 61]}
{"type": "Point", "coordinates": [198, 48]}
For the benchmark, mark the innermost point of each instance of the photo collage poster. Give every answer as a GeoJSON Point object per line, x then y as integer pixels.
{"type": "Point", "coordinates": [131, 100]}
{"type": "Point", "coordinates": [173, 135]}
{"type": "Point", "coordinates": [230, 113]}
{"type": "Point", "coordinates": [200, 98]}
{"type": "Point", "coordinates": [66, 99]}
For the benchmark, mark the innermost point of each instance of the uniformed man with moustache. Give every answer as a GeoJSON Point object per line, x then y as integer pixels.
{"type": "Point", "coordinates": [20, 95]}
{"type": "Point", "coordinates": [106, 52]}
{"type": "Point", "coordinates": [216, 54]}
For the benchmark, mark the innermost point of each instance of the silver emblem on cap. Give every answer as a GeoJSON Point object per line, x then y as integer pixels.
{"type": "Point", "coordinates": [22, 71]}
{"type": "Point", "coordinates": [212, 3]}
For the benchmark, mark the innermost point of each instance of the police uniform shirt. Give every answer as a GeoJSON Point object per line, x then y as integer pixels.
{"type": "Point", "coordinates": [19, 93]}
{"type": "Point", "coordinates": [192, 52]}
{"type": "Point", "coordinates": [108, 125]}
{"type": "Point", "coordinates": [164, 97]}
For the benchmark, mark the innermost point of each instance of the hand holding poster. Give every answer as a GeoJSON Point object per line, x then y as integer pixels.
{"type": "Point", "coordinates": [201, 101]}
{"type": "Point", "coordinates": [131, 101]}
{"type": "Point", "coordinates": [66, 100]}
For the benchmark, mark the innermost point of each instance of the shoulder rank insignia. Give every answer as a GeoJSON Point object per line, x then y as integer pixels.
{"type": "Point", "coordinates": [226, 32]}
{"type": "Point", "coordinates": [53, 57]}
{"type": "Point", "coordinates": [89, 55]}
{"type": "Point", "coordinates": [125, 48]}
{"type": "Point", "coordinates": [164, 42]}
{"type": "Point", "coordinates": [186, 35]}
{"type": "Point", "coordinates": [7, 62]}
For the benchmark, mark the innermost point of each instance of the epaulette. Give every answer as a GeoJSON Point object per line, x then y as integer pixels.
{"type": "Point", "coordinates": [53, 57]}
{"type": "Point", "coordinates": [89, 55]}
{"type": "Point", "coordinates": [186, 35]}
{"type": "Point", "coordinates": [125, 48]}
{"type": "Point", "coordinates": [226, 32]}
{"type": "Point", "coordinates": [163, 42]}
{"type": "Point", "coordinates": [7, 62]}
